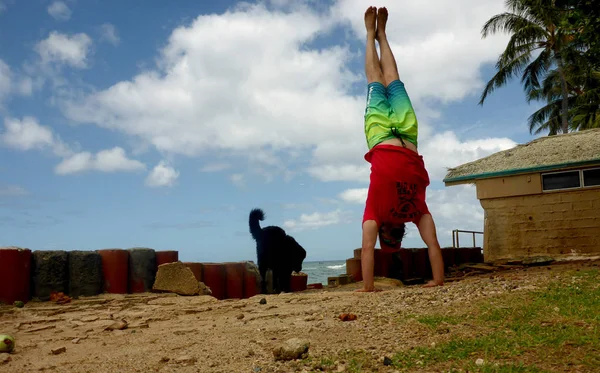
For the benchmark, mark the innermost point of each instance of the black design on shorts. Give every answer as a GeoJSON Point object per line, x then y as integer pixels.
{"type": "Point", "coordinates": [406, 208]}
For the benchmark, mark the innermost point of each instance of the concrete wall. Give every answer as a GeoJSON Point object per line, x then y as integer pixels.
{"type": "Point", "coordinates": [521, 220]}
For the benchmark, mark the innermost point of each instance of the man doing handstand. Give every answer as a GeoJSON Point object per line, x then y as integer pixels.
{"type": "Point", "coordinates": [398, 176]}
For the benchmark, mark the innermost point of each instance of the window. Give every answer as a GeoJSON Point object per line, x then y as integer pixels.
{"type": "Point", "coordinates": [591, 177]}
{"type": "Point", "coordinates": [561, 180]}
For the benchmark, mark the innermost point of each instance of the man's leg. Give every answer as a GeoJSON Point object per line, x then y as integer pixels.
{"type": "Point", "coordinates": [388, 62]}
{"type": "Point", "coordinates": [427, 231]}
{"type": "Point", "coordinates": [372, 64]}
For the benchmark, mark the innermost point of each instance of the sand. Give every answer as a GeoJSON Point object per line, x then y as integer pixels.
{"type": "Point", "coordinates": [171, 333]}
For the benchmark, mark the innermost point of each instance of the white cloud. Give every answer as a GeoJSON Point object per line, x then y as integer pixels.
{"type": "Point", "coordinates": [357, 196]}
{"type": "Point", "coordinates": [5, 80]}
{"type": "Point", "coordinates": [215, 167]}
{"type": "Point", "coordinates": [66, 49]}
{"type": "Point", "coordinates": [59, 11]}
{"type": "Point", "coordinates": [162, 175]}
{"type": "Point", "coordinates": [238, 179]}
{"type": "Point", "coordinates": [437, 43]}
{"type": "Point", "coordinates": [317, 220]}
{"type": "Point", "coordinates": [230, 93]}
{"type": "Point", "coordinates": [12, 191]}
{"type": "Point", "coordinates": [28, 134]}
{"type": "Point", "coordinates": [109, 160]}
{"type": "Point", "coordinates": [110, 34]}
{"type": "Point", "coordinates": [445, 150]}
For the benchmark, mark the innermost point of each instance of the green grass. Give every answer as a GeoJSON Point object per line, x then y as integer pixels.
{"type": "Point", "coordinates": [560, 324]}
{"type": "Point", "coordinates": [555, 328]}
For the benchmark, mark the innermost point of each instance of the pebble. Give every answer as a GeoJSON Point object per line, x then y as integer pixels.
{"type": "Point", "coordinates": [240, 316]}
{"type": "Point", "coordinates": [59, 350]}
{"type": "Point", "coordinates": [479, 362]}
{"type": "Point", "coordinates": [76, 340]}
{"type": "Point", "coordinates": [292, 349]}
{"type": "Point", "coordinates": [185, 359]}
{"type": "Point", "coordinates": [5, 358]}
{"type": "Point", "coordinates": [263, 301]}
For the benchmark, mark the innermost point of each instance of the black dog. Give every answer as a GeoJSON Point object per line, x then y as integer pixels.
{"type": "Point", "coordinates": [277, 251]}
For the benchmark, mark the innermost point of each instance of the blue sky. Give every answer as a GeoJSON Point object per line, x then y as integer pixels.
{"type": "Point", "coordinates": [161, 124]}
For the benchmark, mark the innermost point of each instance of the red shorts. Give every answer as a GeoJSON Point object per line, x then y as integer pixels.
{"type": "Point", "coordinates": [398, 184]}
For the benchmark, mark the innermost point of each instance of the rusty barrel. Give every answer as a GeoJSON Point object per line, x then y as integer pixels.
{"type": "Point", "coordinates": [251, 280]}
{"type": "Point", "coordinates": [234, 273]}
{"type": "Point", "coordinates": [354, 269]}
{"type": "Point", "coordinates": [215, 278]}
{"type": "Point", "coordinates": [142, 269]}
{"type": "Point", "coordinates": [49, 273]}
{"type": "Point", "coordinates": [15, 266]}
{"type": "Point", "coordinates": [164, 257]}
{"type": "Point", "coordinates": [196, 270]}
{"type": "Point", "coordinates": [298, 282]}
{"type": "Point", "coordinates": [115, 270]}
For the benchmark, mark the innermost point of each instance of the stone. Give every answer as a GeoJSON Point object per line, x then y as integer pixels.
{"type": "Point", "coordinates": [185, 360]}
{"type": "Point", "coordinates": [387, 361]}
{"type": "Point", "coordinates": [176, 278]}
{"type": "Point", "coordinates": [538, 261]}
{"type": "Point", "coordinates": [5, 358]}
{"type": "Point", "coordinates": [58, 350]}
{"type": "Point", "coordinates": [292, 349]}
{"type": "Point", "coordinates": [479, 362]}
{"type": "Point", "coordinates": [263, 301]}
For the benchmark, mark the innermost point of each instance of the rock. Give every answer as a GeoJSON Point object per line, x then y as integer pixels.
{"type": "Point", "coordinates": [76, 340]}
{"type": "Point", "coordinates": [291, 349]}
{"type": "Point", "coordinates": [387, 361]}
{"type": "Point", "coordinates": [347, 317]}
{"type": "Point", "coordinates": [185, 359]}
{"type": "Point", "coordinates": [58, 350]}
{"type": "Point", "coordinates": [240, 316]}
{"type": "Point", "coordinates": [204, 290]}
{"type": "Point", "coordinates": [263, 301]}
{"type": "Point", "coordinates": [5, 358]}
{"type": "Point", "coordinates": [479, 362]}
{"type": "Point", "coordinates": [176, 278]}
{"type": "Point", "coordinates": [119, 325]}
{"type": "Point", "coordinates": [538, 261]}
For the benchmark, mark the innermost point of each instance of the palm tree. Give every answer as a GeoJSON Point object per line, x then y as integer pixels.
{"type": "Point", "coordinates": [583, 84]}
{"type": "Point", "coordinates": [534, 27]}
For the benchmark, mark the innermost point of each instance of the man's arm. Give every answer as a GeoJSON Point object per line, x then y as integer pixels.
{"type": "Point", "coordinates": [369, 239]}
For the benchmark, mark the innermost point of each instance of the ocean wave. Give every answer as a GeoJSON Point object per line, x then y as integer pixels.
{"type": "Point", "coordinates": [337, 267]}
{"type": "Point", "coordinates": [309, 269]}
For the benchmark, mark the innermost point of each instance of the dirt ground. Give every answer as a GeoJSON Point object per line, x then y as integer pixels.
{"type": "Point", "coordinates": [169, 333]}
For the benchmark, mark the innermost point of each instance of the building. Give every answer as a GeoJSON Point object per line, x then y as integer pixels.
{"type": "Point", "coordinates": [540, 198]}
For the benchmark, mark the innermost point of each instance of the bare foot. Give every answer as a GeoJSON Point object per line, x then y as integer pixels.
{"type": "Point", "coordinates": [370, 18]}
{"type": "Point", "coordinates": [382, 17]}
{"type": "Point", "coordinates": [432, 283]}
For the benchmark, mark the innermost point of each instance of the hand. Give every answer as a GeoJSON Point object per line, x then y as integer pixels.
{"type": "Point", "coordinates": [368, 290]}
{"type": "Point", "coordinates": [433, 283]}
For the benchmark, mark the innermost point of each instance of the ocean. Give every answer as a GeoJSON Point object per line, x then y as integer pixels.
{"type": "Point", "coordinates": [318, 271]}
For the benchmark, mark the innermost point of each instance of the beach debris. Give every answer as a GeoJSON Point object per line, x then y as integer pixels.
{"type": "Point", "coordinates": [40, 328]}
{"type": "Point", "coordinates": [59, 298]}
{"type": "Point", "coordinates": [292, 349]}
{"type": "Point", "coordinates": [58, 350]}
{"type": "Point", "coordinates": [185, 360]}
{"type": "Point", "coordinates": [177, 278]}
{"type": "Point", "coordinates": [347, 317]}
{"type": "Point", "coordinates": [7, 343]}
{"type": "Point", "coordinates": [263, 301]}
{"type": "Point", "coordinates": [538, 261]}
{"type": "Point", "coordinates": [18, 304]}
{"type": "Point", "coordinates": [119, 325]}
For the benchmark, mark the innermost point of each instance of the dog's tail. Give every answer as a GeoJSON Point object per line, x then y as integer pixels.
{"type": "Point", "coordinates": [256, 215]}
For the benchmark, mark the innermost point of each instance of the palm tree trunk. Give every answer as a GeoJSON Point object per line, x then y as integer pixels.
{"type": "Point", "coordinates": [565, 98]}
